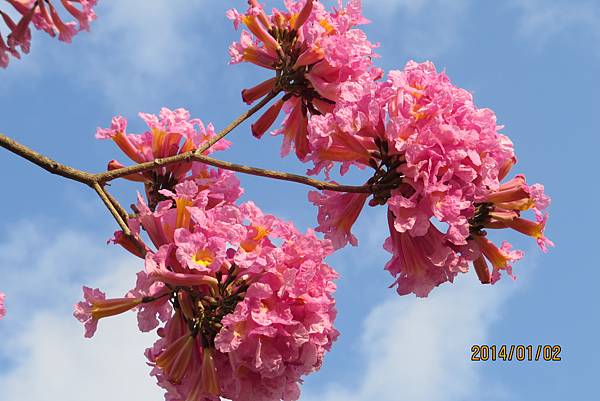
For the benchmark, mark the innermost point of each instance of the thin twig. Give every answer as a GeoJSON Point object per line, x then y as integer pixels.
{"type": "Point", "coordinates": [100, 191]}
{"type": "Point", "coordinates": [117, 205]}
{"type": "Point", "coordinates": [44, 162]}
{"type": "Point", "coordinates": [97, 181]}
{"type": "Point", "coordinates": [235, 123]}
{"type": "Point", "coordinates": [187, 156]}
{"type": "Point", "coordinates": [278, 175]}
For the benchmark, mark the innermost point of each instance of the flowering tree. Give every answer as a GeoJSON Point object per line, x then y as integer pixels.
{"type": "Point", "coordinates": [242, 302]}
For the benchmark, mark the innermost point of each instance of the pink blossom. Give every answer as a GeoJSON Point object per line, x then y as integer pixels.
{"type": "Point", "coordinates": [243, 300]}
{"type": "Point", "coordinates": [437, 159]}
{"type": "Point", "coordinates": [269, 310]}
{"type": "Point", "coordinates": [150, 313]}
{"type": "Point", "coordinates": [194, 202]}
{"type": "Point", "coordinates": [453, 150]}
{"type": "Point", "coordinates": [96, 306]}
{"type": "Point", "coordinates": [270, 276]}
{"type": "Point", "coordinates": [337, 214]}
{"type": "Point", "coordinates": [421, 263]}
{"type": "Point", "coordinates": [500, 258]}
{"type": "Point", "coordinates": [170, 133]}
{"type": "Point", "coordinates": [314, 52]}
{"type": "Point", "coordinates": [44, 16]}
{"type": "Point", "coordinates": [2, 308]}
{"type": "Point", "coordinates": [503, 208]}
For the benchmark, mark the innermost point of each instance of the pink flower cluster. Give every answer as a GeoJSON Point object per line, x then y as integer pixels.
{"type": "Point", "coordinates": [2, 308]}
{"type": "Point", "coordinates": [170, 133]}
{"type": "Point", "coordinates": [438, 160]}
{"type": "Point", "coordinates": [44, 16]}
{"type": "Point", "coordinates": [314, 54]}
{"type": "Point", "coordinates": [243, 300]}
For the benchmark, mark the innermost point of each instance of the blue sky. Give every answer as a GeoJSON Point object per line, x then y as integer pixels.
{"type": "Point", "coordinates": [535, 62]}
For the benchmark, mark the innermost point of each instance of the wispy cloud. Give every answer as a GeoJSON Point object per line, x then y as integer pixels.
{"type": "Point", "coordinates": [419, 349]}
{"type": "Point", "coordinates": [424, 28]}
{"type": "Point", "coordinates": [139, 49]}
{"type": "Point", "coordinates": [54, 362]}
{"type": "Point", "coordinates": [541, 20]}
{"type": "Point", "coordinates": [43, 352]}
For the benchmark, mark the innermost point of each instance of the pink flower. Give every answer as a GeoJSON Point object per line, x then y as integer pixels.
{"type": "Point", "coordinates": [453, 150]}
{"type": "Point", "coordinates": [337, 214]}
{"type": "Point", "coordinates": [44, 16]}
{"type": "Point", "coordinates": [2, 308]}
{"type": "Point", "coordinates": [96, 306]}
{"type": "Point", "coordinates": [171, 133]}
{"type": "Point", "coordinates": [500, 258]}
{"type": "Point", "coordinates": [501, 209]}
{"type": "Point", "coordinates": [245, 301]}
{"type": "Point", "coordinates": [314, 53]}
{"type": "Point", "coordinates": [283, 327]}
{"type": "Point", "coordinates": [437, 158]}
{"type": "Point", "coordinates": [421, 263]}
{"type": "Point", "coordinates": [250, 317]}
{"type": "Point", "coordinates": [150, 313]}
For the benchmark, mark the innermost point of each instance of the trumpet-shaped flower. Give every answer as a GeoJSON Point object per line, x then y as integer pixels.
{"type": "Point", "coordinates": [170, 133]}
{"type": "Point", "coordinates": [44, 16]}
{"type": "Point", "coordinates": [243, 318]}
{"type": "Point", "coordinates": [314, 53]}
{"type": "Point", "coordinates": [2, 308]}
{"type": "Point", "coordinates": [96, 307]}
{"type": "Point", "coordinates": [421, 263]}
{"type": "Point", "coordinates": [501, 209]}
{"type": "Point", "coordinates": [337, 214]}
{"type": "Point", "coordinates": [437, 158]}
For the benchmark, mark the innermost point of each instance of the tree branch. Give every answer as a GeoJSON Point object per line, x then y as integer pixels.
{"type": "Point", "coordinates": [117, 205]}
{"type": "Point", "coordinates": [187, 156]}
{"type": "Point", "coordinates": [100, 191]}
{"type": "Point", "coordinates": [44, 162]}
{"type": "Point", "coordinates": [278, 175]}
{"type": "Point", "coordinates": [99, 180]}
{"type": "Point", "coordinates": [235, 123]}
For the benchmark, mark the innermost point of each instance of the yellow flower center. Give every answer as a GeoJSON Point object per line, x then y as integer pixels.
{"type": "Point", "coordinates": [204, 257]}
{"type": "Point", "coordinates": [183, 214]}
{"type": "Point", "coordinates": [250, 244]}
{"type": "Point", "coordinates": [328, 27]}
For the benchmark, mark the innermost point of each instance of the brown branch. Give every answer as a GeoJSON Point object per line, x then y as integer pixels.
{"type": "Point", "coordinates": [192, 156]}
{"type": "Point", "coordinates": [97, 181]}
{"type": "Point", "coordinates": [187, 156]}
{"type": "Point", "coordinates": [278, 175]}
{"type": "Point", "coordinates": [44, 162]}
{"type": "Point", "coordinates": [117, 205]}
{"type": "Point", "coordinates": [100, 179]}
{"type": "Point", "coordinates": [100, 191]}
{"type": "Point", "coordinates": [235, 123]}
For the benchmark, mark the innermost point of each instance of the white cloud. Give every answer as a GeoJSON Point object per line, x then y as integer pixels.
{"type": "Point", "coordinates": [46, 356]}
{"type": "Point", "coordinates": [141, 48]}
{"type": "Point", "coordinates": [413, 349]}
{"type": "Point", "coordinates": [425, 28]}
{"type": "Point", "coordinates": [541, 20]}
{"type": "Point", "coordinates": [56, 363]}
{"type": "Point", "coordinates": [137, 54]}
{"type": "Point", "coordinates": [419, 349]}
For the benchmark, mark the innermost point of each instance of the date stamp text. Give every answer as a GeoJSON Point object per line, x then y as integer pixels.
{"type": "Point", "coordinates": [521, 353]}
